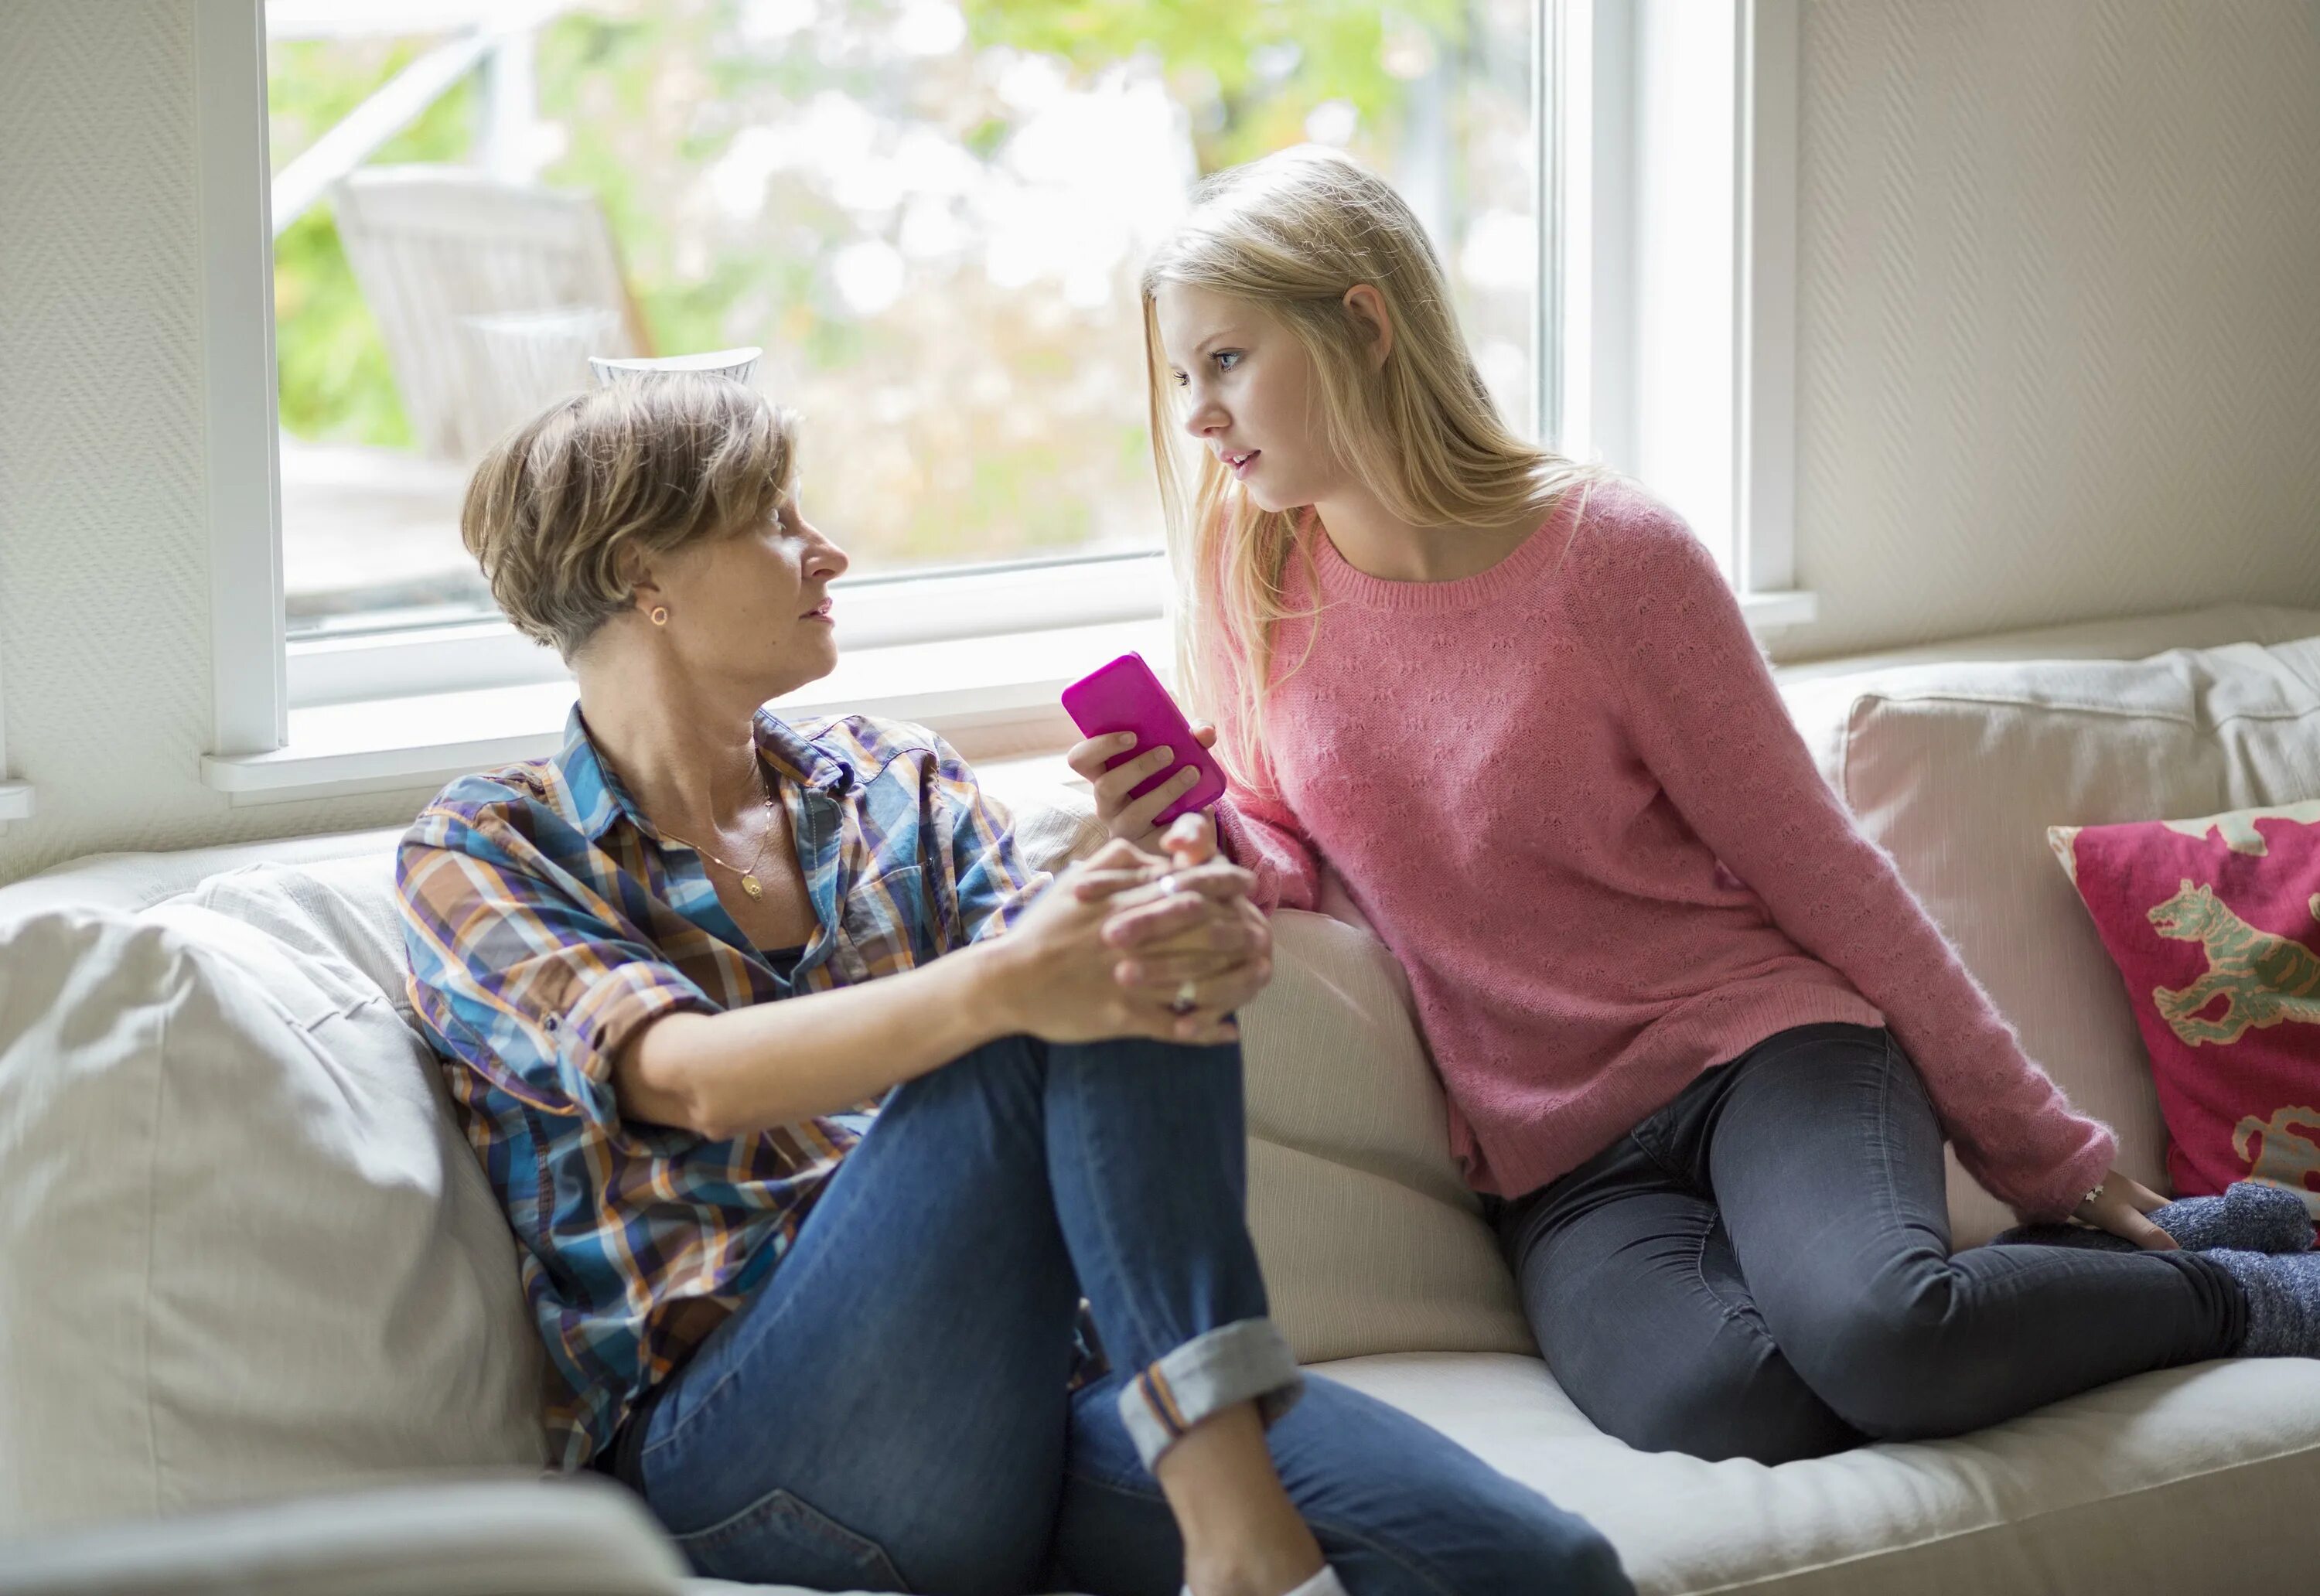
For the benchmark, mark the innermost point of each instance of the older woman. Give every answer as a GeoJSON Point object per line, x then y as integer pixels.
{"type": "Point", "coordinates": [816, 1112]}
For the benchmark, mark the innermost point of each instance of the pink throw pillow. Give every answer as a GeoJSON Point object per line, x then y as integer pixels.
{"type": "Point", "coordinates": [2215, 924]}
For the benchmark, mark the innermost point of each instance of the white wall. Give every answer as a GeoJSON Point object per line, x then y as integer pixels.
{"type": "Point", "coordinates": [105, 643]}
{"type": "Point", "coordinates": [2059, 357]}
{"type": "Point", "coordinates": [2058, 312]}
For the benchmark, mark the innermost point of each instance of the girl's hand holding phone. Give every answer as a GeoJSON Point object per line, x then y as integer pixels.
{"type": "Point", "coordinates": [1128, 818]}
{"type": "Point", "coordinates": [1187, 928]}
{"type": "Point", "coordinates": [1148, 763]}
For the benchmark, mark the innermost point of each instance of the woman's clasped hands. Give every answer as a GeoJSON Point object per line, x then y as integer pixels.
{"type": "Point", "coordinates": [1130, 942]}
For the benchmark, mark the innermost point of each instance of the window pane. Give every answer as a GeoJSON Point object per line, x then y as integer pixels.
{"type": "Point", "coordinates": [930, 215]}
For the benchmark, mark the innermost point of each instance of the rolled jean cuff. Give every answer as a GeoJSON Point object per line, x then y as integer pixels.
{"type": "Point", "coordinates": [1246, 1361]}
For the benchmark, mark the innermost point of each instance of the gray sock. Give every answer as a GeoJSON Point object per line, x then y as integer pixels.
{"type": "Point", "coordinates": [2283, 1301]}
{"type": "Point", "coordinates": [2250, 1216]}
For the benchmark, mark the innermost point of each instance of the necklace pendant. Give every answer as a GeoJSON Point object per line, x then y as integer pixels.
{"type": "Point", "coordinates": [749, 885]}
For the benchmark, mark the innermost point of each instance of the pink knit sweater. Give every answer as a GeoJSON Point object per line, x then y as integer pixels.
{"type": "Point", "coordinates": [1566, 793]}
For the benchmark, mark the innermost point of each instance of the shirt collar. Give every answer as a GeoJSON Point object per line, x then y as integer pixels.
{"type": "Point", "coordinates": [598, 797]}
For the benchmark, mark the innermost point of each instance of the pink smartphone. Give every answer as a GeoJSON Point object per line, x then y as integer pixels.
{"type": "Point", "coordinates": [1124, 695]}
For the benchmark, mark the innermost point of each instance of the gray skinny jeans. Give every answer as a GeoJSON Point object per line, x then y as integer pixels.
{"type": "Point", "coordinates": [1762, 1269]}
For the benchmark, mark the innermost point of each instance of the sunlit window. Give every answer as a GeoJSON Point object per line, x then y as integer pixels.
{"type": "Point", "coordinates": [929, 213]}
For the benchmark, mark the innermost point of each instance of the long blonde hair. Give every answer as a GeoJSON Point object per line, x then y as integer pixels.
{"type": "Point", "coordinates": [1290, 234]}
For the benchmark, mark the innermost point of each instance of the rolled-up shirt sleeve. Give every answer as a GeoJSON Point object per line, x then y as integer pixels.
{"type": "Point", "coordinates": [523, 973]}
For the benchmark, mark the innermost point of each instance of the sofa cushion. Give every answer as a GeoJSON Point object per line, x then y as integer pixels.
{"type": "Point", "coordinates": [243, 1250]}
{"type": "Point", "coordinates": [2191, 1479]}
{"type": "Point", "coordinates": [2210, 923]}
{"type": "Point", "coordinates": [1370, 1240]}
{"type": "Point", "coordinates": [340, 908]}
{"type": "Point", "coordinates": [1957, 770]}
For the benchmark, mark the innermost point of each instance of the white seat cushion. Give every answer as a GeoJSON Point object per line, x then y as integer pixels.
{"type": "Point", "coordinates": [243, 1249]}
{"type": "Point", "coordinates": [2188, 1480]}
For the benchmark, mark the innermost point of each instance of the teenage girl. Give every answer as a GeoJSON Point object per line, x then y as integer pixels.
{"type": "Point", "coordinates": [1700, 1043]}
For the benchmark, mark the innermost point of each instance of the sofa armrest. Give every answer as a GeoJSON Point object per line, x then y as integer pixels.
{"type": "Point", "coordinates": [477, 1537]}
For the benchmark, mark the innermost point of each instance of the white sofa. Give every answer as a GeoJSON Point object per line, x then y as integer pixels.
{"type": "Point", "coordinates": [259, 1328]}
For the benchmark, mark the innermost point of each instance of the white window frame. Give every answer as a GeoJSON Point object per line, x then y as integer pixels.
{"type": "Point", "coordinates": [877, 612]}
{"type": "Point", "coordinates": [249, 669]}
{"type": "Point", "coordinates": [361, 713]}
{"type": "Point", "coordinates": [1625, 68]}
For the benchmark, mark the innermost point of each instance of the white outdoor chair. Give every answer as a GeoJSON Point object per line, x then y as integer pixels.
{"type": "Point", "coordinates": [490, 295]}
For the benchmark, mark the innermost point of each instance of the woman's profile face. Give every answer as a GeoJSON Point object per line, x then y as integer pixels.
{"type": "Point", "coordinates": [1245, 390]}
{"type": "Point", "coordinates": [755, 604]}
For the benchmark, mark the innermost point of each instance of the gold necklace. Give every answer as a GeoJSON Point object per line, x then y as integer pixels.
{"type": "Point", "coordinates": [750, 883]}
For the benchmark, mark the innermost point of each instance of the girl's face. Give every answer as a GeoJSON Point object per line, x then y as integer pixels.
{"type": "Point", "coordinates": [1248, 394]}
{"type": "Point", "coordinates": [757, 604]}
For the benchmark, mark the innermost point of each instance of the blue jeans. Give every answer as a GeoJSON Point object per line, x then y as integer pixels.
{"type": "Point", "coordinates": [1762, 1269]}
{"type": "Point", "coordinates": [892, 1412]}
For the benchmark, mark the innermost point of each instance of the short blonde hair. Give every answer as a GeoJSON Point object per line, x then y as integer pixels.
{"type": "Point", "coordinates": [648, 465]}
{"type": "Point", "coordinates": [1290, 234]}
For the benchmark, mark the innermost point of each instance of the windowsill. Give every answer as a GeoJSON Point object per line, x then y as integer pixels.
{"type": "Point", "coordinates": [420, 742]}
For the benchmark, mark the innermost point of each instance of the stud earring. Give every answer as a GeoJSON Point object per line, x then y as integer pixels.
{"type": "Point", "coordinates": [660, 614]}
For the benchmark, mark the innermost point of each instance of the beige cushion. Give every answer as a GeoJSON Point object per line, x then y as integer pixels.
{"type": "Point", "coordinates": [243, 1250]}
{"type": "Point", "coordinates": [2188, 1480]}
{"type": "Point", "coordinates": [1958, 769]}
{"type": "Point", "coordinates": [1371, 1241]}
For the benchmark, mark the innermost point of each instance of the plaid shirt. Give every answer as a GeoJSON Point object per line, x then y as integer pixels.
{"type": "Point", "coordinates": [546, 920]}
